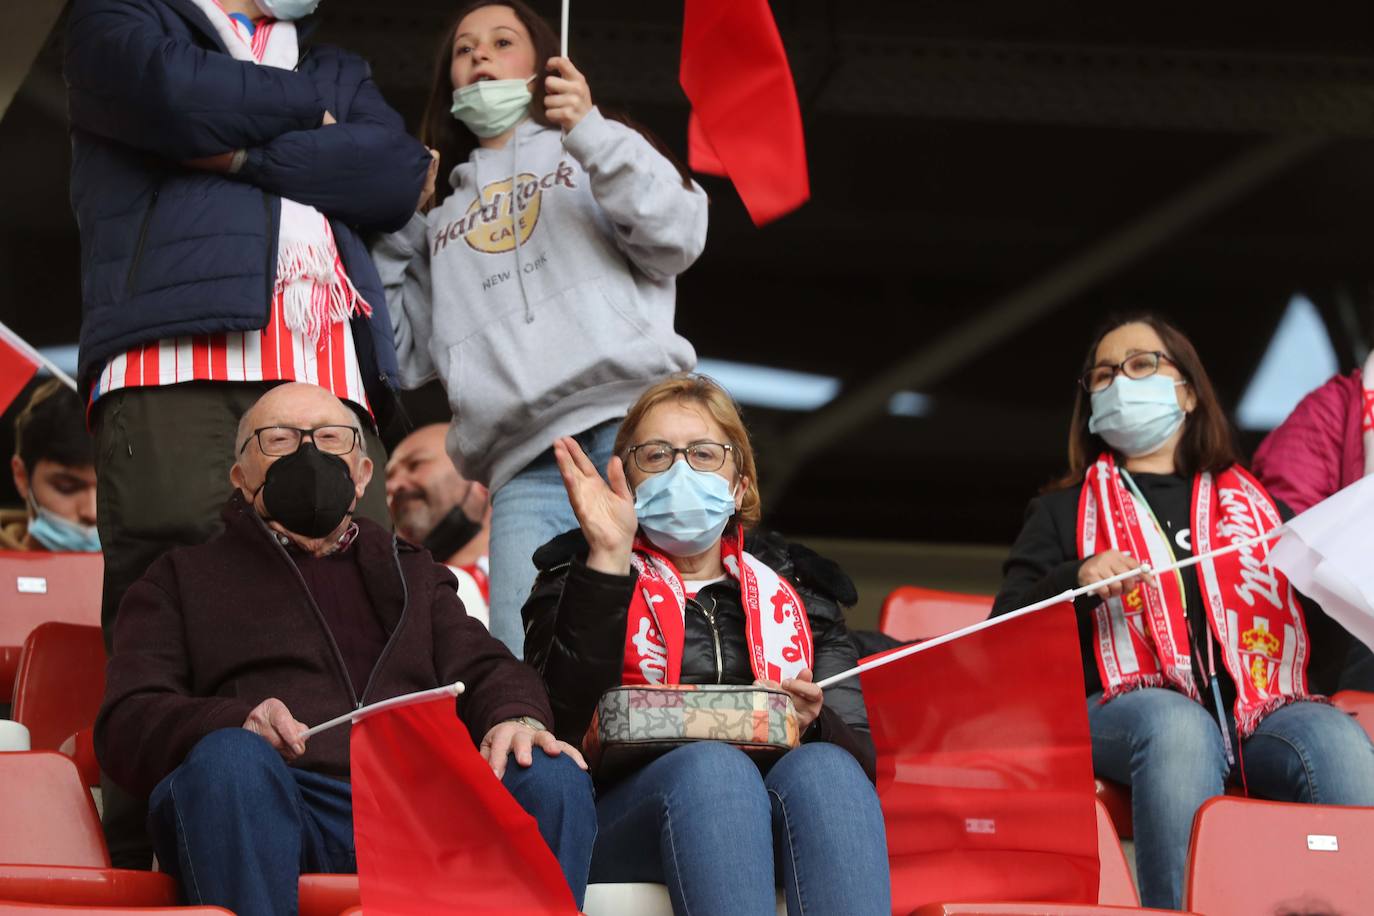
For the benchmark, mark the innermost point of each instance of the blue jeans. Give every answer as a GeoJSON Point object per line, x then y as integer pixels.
{"type": "Point", "coordinates": [1168, 749]}
{"type": "Point", "coordinates": [722, 836]}
{"type": "Point", "coordinates": [236, 826]}
{"type": "Point", "coordinates": [527, 512]}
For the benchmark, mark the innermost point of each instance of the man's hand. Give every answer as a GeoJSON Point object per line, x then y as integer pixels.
{"type": "Point", "coordinates": [431, 178]}
{"type": "Point", "coordinates": [222, 163]}
{"type": "Point", "coordinates": [516, 737]}
{"type": "Point", "coordinates": [806, 696]}
{"type": "Point", "coordinates": [328, 119]}
{"type": "Point", "coordinates": [274, 721]}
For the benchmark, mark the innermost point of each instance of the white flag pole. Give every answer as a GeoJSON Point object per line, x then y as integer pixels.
{"type": "Point", "coordinates": [563, 48]}
{"type": "Point", "coordinates": [408, 699]}
{"type": "Point", "coordinates": [22, 344]}
{"type": "Point", "coordinates": [1141, 570]}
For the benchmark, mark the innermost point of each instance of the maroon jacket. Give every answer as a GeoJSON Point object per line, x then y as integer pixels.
{"type": "Point", "coordinates": [1319, 449]}
{"type": "Point", "coordinates": [211, 631]}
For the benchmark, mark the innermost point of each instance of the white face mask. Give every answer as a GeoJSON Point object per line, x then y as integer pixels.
{"type": "Point", "coordinates": [489, 108]}
{"type": "Point", "coordinates": [287, 9]}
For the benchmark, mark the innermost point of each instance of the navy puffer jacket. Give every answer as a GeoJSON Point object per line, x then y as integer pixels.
{"type": "Point", "coordinates": [168, 250]}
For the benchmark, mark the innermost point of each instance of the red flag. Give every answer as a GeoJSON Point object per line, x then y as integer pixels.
{"type": "Point", "coordinates": [435, 830]}
{"type": "Point", "coordinates": [746, 121]}
{"type": "Point", "coordinates": [18, 364]}
{"type": "Point", "coordinates": [985, 766]}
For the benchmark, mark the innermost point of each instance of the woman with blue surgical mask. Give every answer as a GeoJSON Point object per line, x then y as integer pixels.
{"type": "Point", "coordinates": [539, 282]}
{"type": "Point", "coordinates": [667, 580]}
{"type": "Point", "coordinates": [1194, 675]}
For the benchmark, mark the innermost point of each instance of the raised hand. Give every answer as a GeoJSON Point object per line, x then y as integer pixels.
{"type": "Point", "coordinates": [605, 511]}
{"type": "Point", "coordinates": [431, 178]}
{"type": "Point", "coordinates": [567, 97]}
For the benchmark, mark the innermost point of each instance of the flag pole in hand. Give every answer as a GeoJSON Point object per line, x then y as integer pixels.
{"type": "Point", "coordinates": [407, 699]}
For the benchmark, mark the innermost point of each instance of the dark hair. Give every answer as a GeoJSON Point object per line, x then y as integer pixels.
{"type": "Point", "coordinates": [1208, 442]}
{"type": "Point", "coordinates": [441, 131]}
{"type": "Point", "coordinates": [52, 427]}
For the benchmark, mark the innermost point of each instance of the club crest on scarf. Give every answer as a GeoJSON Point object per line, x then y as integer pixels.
{"type": "Point", "coordinates": [779, 640]}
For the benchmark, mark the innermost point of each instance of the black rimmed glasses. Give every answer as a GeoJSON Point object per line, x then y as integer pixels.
{"type": "Point", "coordinates": [1138, 365]}
{"type": "Point", "coordinates": [277, 441]}
{"type": "Point", "coordinates": [656, 457]}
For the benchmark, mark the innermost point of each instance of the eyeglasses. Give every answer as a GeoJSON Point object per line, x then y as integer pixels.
{"type": "Point", "coordinates": [276, 441]}
{"type": "Point", "coordinates": [656, 457]}
{"type": "Point", "coordinates": [1137, 366]}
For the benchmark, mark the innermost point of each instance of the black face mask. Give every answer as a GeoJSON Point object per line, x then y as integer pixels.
{"type": "Point", "coordinates": [308, 492]}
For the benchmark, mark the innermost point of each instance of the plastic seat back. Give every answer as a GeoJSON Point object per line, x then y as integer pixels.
{"type": "Point", "coordinates": [37, 587]}
{"type": "Point", "coordinates": [1359, 704]}
{"type": "Point", "coordinates": [913, 613]}
{"type": "Point", "coordinates": [1115, 886]}
{"type": "Point", "coordinates": [47, 909]}
{"type": "Point", "coordinates": [48, 815]}
{"type": "Point", "coordinates": [60, 683]}
{"type": "Point", "coordinates": [1249, 856]}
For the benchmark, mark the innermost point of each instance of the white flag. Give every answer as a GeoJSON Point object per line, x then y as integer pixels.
{"type": "Point", "coordinates": [1327, 553]}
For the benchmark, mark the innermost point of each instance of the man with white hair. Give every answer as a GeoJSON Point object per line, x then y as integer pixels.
{"type": "Point", "coordinates": [295, 614]}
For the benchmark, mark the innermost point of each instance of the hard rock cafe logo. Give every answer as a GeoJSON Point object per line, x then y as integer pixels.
{"type": "Point", "coordinates": [494, 217]}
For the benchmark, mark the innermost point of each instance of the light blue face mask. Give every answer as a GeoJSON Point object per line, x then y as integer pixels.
{"type": "Point", "coordinates": [684, 511]}
{"type": "Point", "coordinates": [489, 108]}
{"type": "Point", "coordinates": [287, 9]}
{"type": "Point", "coordinates": [59, 534]}
{"type": "Point", "coordinates": [1135, 416]}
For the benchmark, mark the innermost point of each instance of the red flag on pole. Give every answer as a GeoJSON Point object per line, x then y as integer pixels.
{"type": "Point", "coordinates": [746, 122]}
{"type": "Point", "coordinates": [985, 766]}
{"type": "Point", "coordinates": [18, 364]}
{"type": "Point", "coordinates": [435, 830]}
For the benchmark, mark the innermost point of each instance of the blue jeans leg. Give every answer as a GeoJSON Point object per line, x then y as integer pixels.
{"type": "Point", "coordinates": [1310, 752]}
{"type": "Point", "coordinates": [236, 826]}
{"type": "Point", "coordinates": [1168, 750]}
{"type": "Point", "coordinates": [828, 835]}
{"type": "Point", "coordinates": [526, 512]}
{"type": "Point", "coordinates": [697, 819]}
{"type": "Point", "coordinates": [557, 793]}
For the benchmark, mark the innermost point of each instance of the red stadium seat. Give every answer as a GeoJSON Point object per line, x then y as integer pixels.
{"type": "Point", "coordinates": [81, 748]}
{"type": "Point", "coordinates": [44, 909]}
{"type": "Point", "coordinates": [1117, 799]}
{"type": "Point", "coordinates": [913, 613]}
{"type": "Point", "coordinates": [51, 847]}
{"type": "Point", "coordinates": [327, 895]}
{"type": "Point", "coordinates": [1360, 705]}
{"type": "Point", "coordinates": [1032, 909]}
{"type": "Point", "coordinates": [38, 587]}
{"type": "Point", "coordinates": [1250, 856]}
{"type": "Point", "coordinates": [60, 683]}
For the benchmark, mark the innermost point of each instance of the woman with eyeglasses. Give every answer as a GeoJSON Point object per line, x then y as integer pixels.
{"type": "Point", "coordinates": [673, 523]}
{"type": "Point", "coordinates": [1195, 678]}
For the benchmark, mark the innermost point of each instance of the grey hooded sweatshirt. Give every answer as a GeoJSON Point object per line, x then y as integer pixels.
{"type": "Point", "coordinates": [550, 330]}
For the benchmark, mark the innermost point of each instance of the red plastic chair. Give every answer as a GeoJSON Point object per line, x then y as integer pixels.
{"type": "Point", "coordinates": [1249, 856]}
{"type": "Point", "coordinates": [327, 895]}
{"type": "Point", "coordinates": [1032, 909]}
{"type": "Point", "coordinates": [45, 909]}
{"type": "Point", "coordinates": [1360, 705]}
{"type": "Point", "coordinates": [51, 847]}
{"type": "Point", "coordinates": [1117, 800]}
{"type": "Point", "coordinates": [81, 748]}
{"type": "Point", "coordinates": [60, 683]}
{"type": "Point", "coordinates": [912, 613]}
{"type": "Point", "coordinates": [37, 587]}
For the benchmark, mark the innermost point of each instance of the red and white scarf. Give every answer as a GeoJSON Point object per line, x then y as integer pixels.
{"type": "Point", "coordinates": [1367, 420]}
{"type": "Point", "coordinates": [315, 289]}
{"type": "Point", "coordinates": [776, 627]}
{"type": "Point", "coordinates": [1252, 610]}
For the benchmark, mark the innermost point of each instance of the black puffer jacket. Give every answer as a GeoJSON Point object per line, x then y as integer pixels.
{"type": "Point", "coordinates": [575, 635]}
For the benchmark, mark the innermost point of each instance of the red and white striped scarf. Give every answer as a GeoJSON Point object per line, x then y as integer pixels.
{"type": "Point", "coordinates": [1367, 417]}
{"type": "Point", "coordinates": [1252, 610]}
{"type": "Point", "coordinates": [779, 642]}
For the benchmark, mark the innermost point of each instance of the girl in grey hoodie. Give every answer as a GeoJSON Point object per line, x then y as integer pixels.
{"type": "Point", "coordinates": [541, 289]}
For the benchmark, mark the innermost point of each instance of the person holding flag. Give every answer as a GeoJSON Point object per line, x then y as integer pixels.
{"type": "Point", "coordinates": [1201, 675]}
{"type": "Point", "coordinates": [540, 287]}
{"type": "Point", "coordinates": [665, 582]}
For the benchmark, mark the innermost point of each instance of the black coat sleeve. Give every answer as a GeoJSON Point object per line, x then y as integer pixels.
{"type": "Point", "coordinates": [1042, 562]}
{"type": "Point", "coordinates": [575, 638]}
{"type": "Point", "coordinates": [844, 717]}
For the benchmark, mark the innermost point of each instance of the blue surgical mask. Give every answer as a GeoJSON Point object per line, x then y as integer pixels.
{"type": "Point", "coordinates": [287, 9]}
{"type": "Point", "coordinates": [1136, 416]}
{"type": "Point", "coordinates": [57, 533]}
{"type": "Point", "coordinates": [684, 511]}
{"type": "Point", "coordinates": [489, 108]}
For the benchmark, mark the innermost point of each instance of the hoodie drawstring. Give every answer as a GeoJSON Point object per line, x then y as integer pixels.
{"type": "Point", "coordinates": [515, 223]}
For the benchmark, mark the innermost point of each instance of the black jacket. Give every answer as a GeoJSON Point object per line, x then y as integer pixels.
{"type": "Point", "coordinates": [575, 635]}
{"type": "Point", "coordinates": [1044, 562]}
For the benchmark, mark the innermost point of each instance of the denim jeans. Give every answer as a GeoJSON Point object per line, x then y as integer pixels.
{"type": "Point", "coordinates": [236, 826]}
{"type": "Point", "coordinates": [1168, 749]}
{"type": "Point", "coordinates": [526, 512]}
{"type": "Point", "coordinates": [705, 821]}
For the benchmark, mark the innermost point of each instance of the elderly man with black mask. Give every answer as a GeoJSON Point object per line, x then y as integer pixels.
{"type": "Point", "coordinates": [296, 614]}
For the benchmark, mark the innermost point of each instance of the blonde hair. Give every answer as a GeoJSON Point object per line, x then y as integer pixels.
{"type": "Point", "coordinates": [691, 388]}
